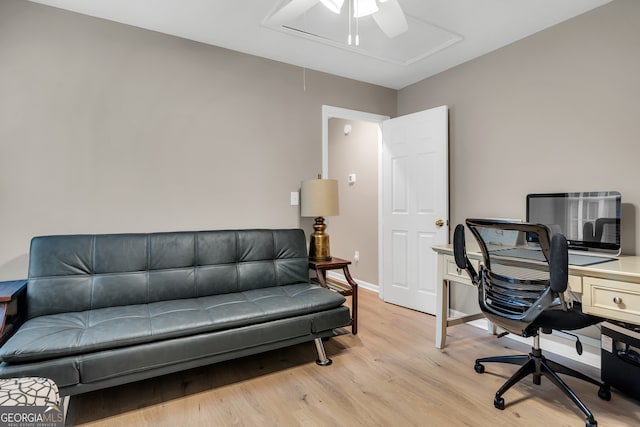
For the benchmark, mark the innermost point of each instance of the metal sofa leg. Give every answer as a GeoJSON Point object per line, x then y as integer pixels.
{"type": "Point", "coordinates": [65, 405]}
{"type": "Point", "coordinates": [323, 360]}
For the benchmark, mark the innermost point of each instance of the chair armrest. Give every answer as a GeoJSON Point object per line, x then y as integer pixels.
{"type": "Point", "coordinates": [559, 264]}
{"type": "Point", "coordinates": [460, 254]}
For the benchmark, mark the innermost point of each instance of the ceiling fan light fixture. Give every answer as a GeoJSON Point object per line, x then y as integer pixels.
{"type": "Point", "coordinates": [391, 19]}
{"type": "Point", "coordinates": [364, 8]}
{"type": "Point", "coordinates": [333, 5]}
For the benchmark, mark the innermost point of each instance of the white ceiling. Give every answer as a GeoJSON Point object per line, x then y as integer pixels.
{"type": "Point", "coordinates": [443, 33]}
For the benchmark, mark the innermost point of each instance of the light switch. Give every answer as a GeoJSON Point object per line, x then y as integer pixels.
{"type": "Point", "coordinates": [295, 198]}
{"type": "Point", "coordinates": [351, 178]}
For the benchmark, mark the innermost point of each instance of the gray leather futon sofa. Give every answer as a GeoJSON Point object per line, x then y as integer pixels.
{"type": "Point", "coordinates": [104, 310]}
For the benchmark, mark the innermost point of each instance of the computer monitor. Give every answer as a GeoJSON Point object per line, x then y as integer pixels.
{"type": "Point", "coordinates": [590, 221]}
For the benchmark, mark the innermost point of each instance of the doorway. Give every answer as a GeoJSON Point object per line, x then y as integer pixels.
{"type": "Point", "coordinates": [412, 211]}
{"type": "Point", "coordinates": [346, 239]}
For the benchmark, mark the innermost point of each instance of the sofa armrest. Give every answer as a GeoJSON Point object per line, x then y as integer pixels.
{"type": "Point", "coordinates": [12, 306]}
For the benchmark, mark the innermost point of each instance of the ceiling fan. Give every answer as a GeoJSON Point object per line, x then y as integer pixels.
{"type": "Point", "coordinates": [386, 13]}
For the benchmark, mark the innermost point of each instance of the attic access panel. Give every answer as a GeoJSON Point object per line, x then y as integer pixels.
{"type": "Point", "coordinates": [319, 24]}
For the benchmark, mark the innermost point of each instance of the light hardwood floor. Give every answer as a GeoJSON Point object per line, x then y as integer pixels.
{"type": "Point", "coordinates": [390, 374]}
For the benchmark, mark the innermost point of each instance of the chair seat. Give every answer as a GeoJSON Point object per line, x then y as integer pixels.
{"type": "Point", "coordinates": [569, 320]}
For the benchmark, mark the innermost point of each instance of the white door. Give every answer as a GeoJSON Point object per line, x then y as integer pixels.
{"type": "Point", "coordinates": [415, 206]}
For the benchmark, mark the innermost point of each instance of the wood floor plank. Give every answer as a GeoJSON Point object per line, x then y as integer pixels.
{"type": "Point", "coordinates": [390, 374]}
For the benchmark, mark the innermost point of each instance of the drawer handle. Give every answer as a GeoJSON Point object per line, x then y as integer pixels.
{"type": "Point", "coordinates": [458, 270]}
{"type": "Point", "coordinates": [617, 300]}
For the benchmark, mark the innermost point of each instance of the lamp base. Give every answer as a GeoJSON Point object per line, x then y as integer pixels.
{"type": "Point", "coordinates": [319, 242]}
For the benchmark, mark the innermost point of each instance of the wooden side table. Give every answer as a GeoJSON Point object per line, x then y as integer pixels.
{"type": "Point", "coordinates": [348, 289]}
{"type": "Point", "coordinates": [12, 306]}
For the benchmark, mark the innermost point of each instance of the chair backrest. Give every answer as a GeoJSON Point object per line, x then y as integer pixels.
{"type": "Point", "coordinates": [513, 293]}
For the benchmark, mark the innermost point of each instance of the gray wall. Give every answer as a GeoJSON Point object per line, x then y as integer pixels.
{"type": "Point", "coordinates": [558, 111]}
{"type": "Point", "coordinates": [110, 128]}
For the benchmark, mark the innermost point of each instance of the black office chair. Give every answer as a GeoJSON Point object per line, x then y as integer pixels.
{"type": "Point", "coordinates": [526, 299]}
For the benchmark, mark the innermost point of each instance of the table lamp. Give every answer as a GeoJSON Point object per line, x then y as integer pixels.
{"type": "Point", "coordinates": [319, 198]}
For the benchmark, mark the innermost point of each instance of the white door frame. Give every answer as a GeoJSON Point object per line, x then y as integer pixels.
{"type": "Point", "coordinates": [329, 112]}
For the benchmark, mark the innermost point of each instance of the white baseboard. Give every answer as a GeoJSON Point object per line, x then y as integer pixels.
{"type": "Point", "coordinates": [361, 283]}
{"type": "Point", "coordinates": [556, 343]}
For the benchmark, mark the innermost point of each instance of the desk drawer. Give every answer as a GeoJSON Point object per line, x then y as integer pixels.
{"type": "Point", "coordinates": [611, 299]}
{"type": "Point", "coordinates": [452, 272]}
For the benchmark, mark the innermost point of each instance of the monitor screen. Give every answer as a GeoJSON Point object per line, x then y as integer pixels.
{"type": "Point", "coordinates": [589, 221]}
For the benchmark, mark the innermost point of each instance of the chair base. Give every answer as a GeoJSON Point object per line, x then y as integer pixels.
{"type": "Point", "coordinates": [537, 365]}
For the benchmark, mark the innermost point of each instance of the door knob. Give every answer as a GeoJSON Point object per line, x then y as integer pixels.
{"type": "Point", "coordinates": [439, 223]}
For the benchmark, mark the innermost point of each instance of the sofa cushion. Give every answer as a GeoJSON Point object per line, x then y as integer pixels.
{"type": "Point", "coordinates": [64, 334]}
{"type": "Point", "coordinates": [86, 372]}
{"type": "Point", "coordinates": [166, 354]}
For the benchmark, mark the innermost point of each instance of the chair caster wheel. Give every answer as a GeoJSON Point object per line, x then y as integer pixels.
{"type": "Point", "coordinates": [498, 402]}
{"type": "Point", "coordinates": [479, 368]}
{"type": "Point", "coordinates": [591, 422]}
{"type": "Point", "coordinates": [604, 393]}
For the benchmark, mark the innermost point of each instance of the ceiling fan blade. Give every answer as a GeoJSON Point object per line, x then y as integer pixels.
{"type": "Point", "coordinates": [390, 18]}
{"type": "Point", "coordinates": [291, 11]}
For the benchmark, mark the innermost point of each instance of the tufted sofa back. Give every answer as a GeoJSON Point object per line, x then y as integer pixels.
{"type": "Point", "coordinates": [82, 272]}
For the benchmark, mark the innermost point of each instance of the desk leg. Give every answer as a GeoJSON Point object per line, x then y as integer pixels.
{"type": "Point", "coordinates": [442, 303]}
{"type": "Point", "coordinates": [442, 312]}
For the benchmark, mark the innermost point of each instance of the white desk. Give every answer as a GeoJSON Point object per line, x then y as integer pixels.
{"type": "Point", "coordinates": [610, 290]}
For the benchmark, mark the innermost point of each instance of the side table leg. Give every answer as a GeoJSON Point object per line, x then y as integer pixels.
{"type": "Point", "coordinates": [3, 316]}
{"type": "Point", "coordinates": [354, 300]}
{"type": "Point", "coordinates": [321, 275]}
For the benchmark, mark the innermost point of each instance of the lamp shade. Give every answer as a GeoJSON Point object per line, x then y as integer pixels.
{"type": "Point", "coordinates": [319, 197]}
